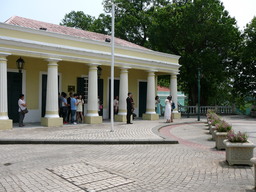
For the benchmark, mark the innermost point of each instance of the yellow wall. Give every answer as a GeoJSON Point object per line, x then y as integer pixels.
{"type": "Point", "coordinates": [32, 67]}
{"type": "Point", "coordinates": [69, 72]}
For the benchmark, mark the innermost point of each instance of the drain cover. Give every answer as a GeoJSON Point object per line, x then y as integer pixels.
{"type": "Point", "coordinates": [7, 164]}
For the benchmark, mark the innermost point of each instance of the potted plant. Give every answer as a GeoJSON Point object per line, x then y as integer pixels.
{"type": "Point", "coordinates": [215, 120]}
{"type": "Point", "coordinates": [220, 134]}
{"type": "Point", "coordinates": [209, 115]}
{"type": "Point", "coordinates": [239, 150]}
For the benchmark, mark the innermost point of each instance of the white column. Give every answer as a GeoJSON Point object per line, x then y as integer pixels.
{"type": "Point", "coordinates": [52, 89]}
{"type": "Point", "coordinates": [173, 87]}
{"type": "Point", "coordinates": [151, 93]}
{"type": "Point", "coordinates": [92, 109]}
{"type": "Point", "coordinates": [123, 90]}
{"type": "Point", "coordinates": [3, 87]}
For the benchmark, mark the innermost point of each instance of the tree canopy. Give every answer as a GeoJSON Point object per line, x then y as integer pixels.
{"type": "Point", "coordinates": [201, 31]}
{"type": "Point", "coordinates": [245, 79]}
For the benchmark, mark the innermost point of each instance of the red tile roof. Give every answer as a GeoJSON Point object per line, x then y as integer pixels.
{"type": "Point", "coordinates": [33, 24]}
{"type": "Point", "coordinates": [159, 88]}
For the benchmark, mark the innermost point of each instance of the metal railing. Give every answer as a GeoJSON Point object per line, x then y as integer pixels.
{"type": "Point", "coordinates": [193, 110]}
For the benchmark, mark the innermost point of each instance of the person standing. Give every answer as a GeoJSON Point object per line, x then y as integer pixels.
{"type": "Point", "coordinates": [116, 105]}
{"type": "Point", "coordinates": [64, 107]}
{"type": "Point", "coordinates": [172, 108]}
{"type": "Point", "coordinates": [79, 111]}
{"type": "Point", "coordinates": [133, 108]}
{"type": "Point", "coordinates": [157, 105]}
{"type": "Point", "coordinates": [22, 107]}
{"type": "Point", "coordinates": [69, 107]}
{"type": "Point", "coordinates": [167, 112]}
{"type": "Point", "coordinates": [59, 104]}
{"type": "Point", "coordinates": [73, 107]}
{"type": "Point", "coordinates": [129, 108]}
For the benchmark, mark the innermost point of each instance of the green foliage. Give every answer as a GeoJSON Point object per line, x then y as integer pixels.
{"type": "Point", "coordinates": [205, 36]}
{"type": "Point", "coordinates": [82, 21]}
{"type": "Point", "coordinates": [245, 84]}
{"type": "Point", "coordinates": [164, 80]}
{"type": "Point", "coordinates": [78, 19]}
{"type": "Point", "coordinates": [223, 126]}
{"type": "Point", "coordinates": [200, 31]}
{"type": "Point", "coordinates": [133, 18]}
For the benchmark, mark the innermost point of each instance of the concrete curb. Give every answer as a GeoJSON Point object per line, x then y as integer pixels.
{"type": "Point", "coordinates": [157, 132]}
{"type": "Point", "coordinates": [88, 142]}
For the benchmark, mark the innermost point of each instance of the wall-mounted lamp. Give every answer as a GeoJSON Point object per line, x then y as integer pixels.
{"type": "Point", "coordinates": [20, 64]}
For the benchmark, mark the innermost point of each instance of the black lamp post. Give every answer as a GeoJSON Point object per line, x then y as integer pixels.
{"type": "Point", "coordinates": [199, 87]}
{"type": "Point", "coordinates": [99, 72]}
{"type": "Point", "coordinates": [20, 64]}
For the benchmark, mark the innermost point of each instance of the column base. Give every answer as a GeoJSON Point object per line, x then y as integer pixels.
{"type": "Point", "coordinates": [176, 115]}
{"type": "Point", "coordinates": [151, 117]}
{"type": "Point", "coordinates": [120, 118]}
{"type": "Point", "coordinates": [5, 124]}
{"type": "Point", "coordinates": [51, 122]}
{"type": "Point", "coordinates": [93, 119]}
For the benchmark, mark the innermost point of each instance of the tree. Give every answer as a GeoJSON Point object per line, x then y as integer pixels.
{"type": "Point", "coordinates": [205, 36]}
{"type": "Point", "coordinates": [200, 31]}
{"type": "Point", "coordinates": [245, 82]}
{"type": "Point", "coordinates": [133, 18]}
{"type": "Point", "coordinates": [102, 24]}
{"type": "Point", "coordinates": [79, 20]}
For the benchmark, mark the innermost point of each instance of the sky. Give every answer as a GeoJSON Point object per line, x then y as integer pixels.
{"type": "Point", "coordinates": [53, 11]}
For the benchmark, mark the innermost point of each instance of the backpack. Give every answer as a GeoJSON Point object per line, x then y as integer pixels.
{"type": "Point", "coordinates": [173, 105]}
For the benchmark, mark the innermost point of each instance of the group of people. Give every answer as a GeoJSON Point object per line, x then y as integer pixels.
{"type": "Point", "coordinates": [169, 106]}
{"type": "Point", "coordinates": [71, 107]}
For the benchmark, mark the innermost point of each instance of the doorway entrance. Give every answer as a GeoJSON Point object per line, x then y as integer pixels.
{"type": "Point", "coordinates": [14, 89]}
{"type": "Point", "coordinates": [142, 97]}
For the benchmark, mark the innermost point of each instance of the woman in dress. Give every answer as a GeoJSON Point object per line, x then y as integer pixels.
{"type": "Point", "coordinates": [157, 105]}
{"type": "Point", "coordinates": [168, 112]}
{"type": "Point", "coordinates": [79, 111]}
{"type": "Point", "coordinates": [116, 105]}
{"type": "Point", "coordinates": [22, 106]}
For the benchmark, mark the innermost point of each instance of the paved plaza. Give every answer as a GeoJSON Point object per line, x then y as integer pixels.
{"type": "Point", "coordinates": [192, 165]}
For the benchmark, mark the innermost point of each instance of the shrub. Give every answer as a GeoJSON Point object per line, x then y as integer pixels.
{"type": "Point", "coordinates": [223, 126]}
{"type": "Point", "coordinates": [237, 137]}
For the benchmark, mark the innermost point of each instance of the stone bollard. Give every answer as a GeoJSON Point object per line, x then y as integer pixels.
{"type": "Point", "coordinates": [253, 160]}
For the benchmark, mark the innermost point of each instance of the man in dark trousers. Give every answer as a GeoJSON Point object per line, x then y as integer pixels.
{"type": "Point", "coordinates": [129, 108]}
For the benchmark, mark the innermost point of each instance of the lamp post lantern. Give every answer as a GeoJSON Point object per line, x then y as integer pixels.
{"type": "Point", "coordinates": [20, 64]}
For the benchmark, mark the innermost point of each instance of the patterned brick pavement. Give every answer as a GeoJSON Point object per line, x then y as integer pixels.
{"type": "Point", "coordinates": [192, 165]}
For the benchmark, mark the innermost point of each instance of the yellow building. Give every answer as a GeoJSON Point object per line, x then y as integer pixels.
{"type": "Point", "coordinates": [59, 58]}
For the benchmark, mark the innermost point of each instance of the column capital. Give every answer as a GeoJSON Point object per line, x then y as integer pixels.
{"type": "Point", "coordinates": [53, 60]}
{"type": "Point", "coordinates": [124, 69]}
{"type": "Point", "coordinates": [174, 74]}
{"type": "Point", "coordinates": [152, 71]}
{"type": "Point", "coordinates": [94, 64]}
{"type": "Point", "coordinates": [3, 56]}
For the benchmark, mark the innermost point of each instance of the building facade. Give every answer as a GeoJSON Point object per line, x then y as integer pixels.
{"type": "Point", "coordinates": [59, 58]}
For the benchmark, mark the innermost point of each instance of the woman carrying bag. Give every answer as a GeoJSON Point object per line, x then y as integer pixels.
{"type": "Point", "coordinates": [22, 109]}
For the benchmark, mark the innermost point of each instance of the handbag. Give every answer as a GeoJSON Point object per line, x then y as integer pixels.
{"type": "Point", "coordinates": [24, 111]}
